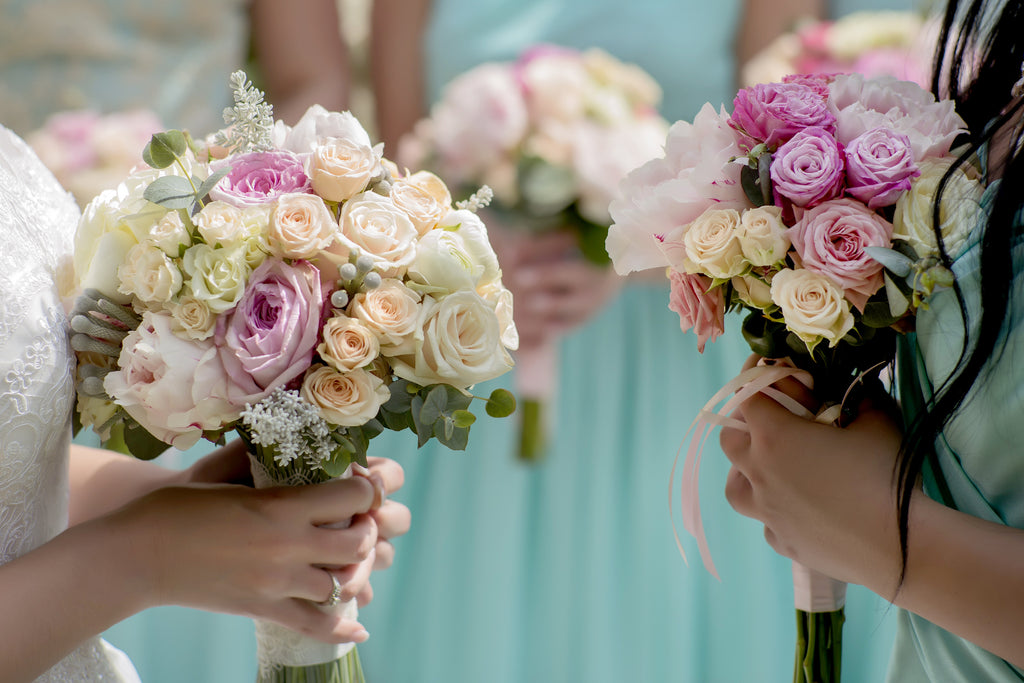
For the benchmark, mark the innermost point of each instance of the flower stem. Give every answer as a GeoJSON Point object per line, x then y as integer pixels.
{"type": "Point", "coordinates": [344, 670]}
{"type": "Point", "coordinates": [819, 647]}
{"type": "Point", "coordinates": [532, 431]}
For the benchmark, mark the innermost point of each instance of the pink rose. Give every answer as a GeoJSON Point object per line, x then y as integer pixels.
{"type": "Point", "coordinates": [818, 81]}
{"type": "Point", "coordinates": [774, 112]}
{"type": "Point", "coordinates": [701, 310]}
{"type": "Point", "coordinates": [830, 240]}
{"type": "Point", "coordinates": [808, 169]}
{"type": "Point", "coordinates": [173, 387]}
{"type": "Point", "coordinates": [269, 338]}
{"type": "Point", "coordinates": [879, 166]}
{"type": "Point", "coordinates": [259, 177]}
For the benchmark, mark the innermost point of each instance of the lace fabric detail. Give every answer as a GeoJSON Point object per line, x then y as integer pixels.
{"type": "Point", "coordinates": [37, 224]}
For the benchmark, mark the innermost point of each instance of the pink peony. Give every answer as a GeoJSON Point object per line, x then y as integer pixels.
{"type": "Point", "coordinates": [699, 310]}
{"type": "Point", "coordinates": [830, 240]}
{"type": "Point", "coordinates": [175, 388]}
{"type": "Point", "coordinates": [695, 174]}
{"type": "Point", "coordinates": [259, 177]}
{"type": "Point", "coordinates": [808, 169]}
{"type": "Point", "coordinates": [774, 112]}
{"type": "Point", "coordinates": [879, 166]}
{"type": "Point", "coordinates": [269, 338]}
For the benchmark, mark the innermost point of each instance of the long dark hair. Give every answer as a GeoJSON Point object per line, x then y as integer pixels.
{"type": "Point", "coordinates": [977, 63]}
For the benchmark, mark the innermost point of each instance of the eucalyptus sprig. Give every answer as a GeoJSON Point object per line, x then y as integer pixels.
{"type": "Point", "coordinates": [176, 191]}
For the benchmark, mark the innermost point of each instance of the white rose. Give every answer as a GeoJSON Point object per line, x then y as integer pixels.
{"type": "Point", "coordinates": [498, 296]}
{"type": "Point", "coordinates": [221, 224]}
{"type": "Point", "coordinates": [424, 197]}
{"type": "Point", "coordinates": [457, 255]}
{"type": "Point", "coordinates": [712, 244]}
{"type": "Point", "coordinates": [373, 226]}
{"type": "Point", "coordinates": [317, 125]}
{"type": "Point", "coordinates": [347, 399]}
{"type": "Point", "coordinates": [959, 212]}
{"type": "Point", "coordinates": [301, 226]}
{"type": "Point", "coordinates": [458, 342]}
{"type": "Point", "coordinates": [256, 229]}
{"type": "Point", "coordinates": [149, 274]}
{"type": "Point", "coordinates": [340, 168]}
{"type": "Point", "coordinates": [753, 291]}
{"type": "Point", "coordinates": [102, 243]}
{"type": "Point", "coordinates": [170, 386]}
{"type": "Point", "coordinates": [170, 234]}
{"type": "Point", "coordinates": [763, 236]}
{"type": "Point", "coordinates": [348, 343]}
{"type": "Point", "coordinates": [191, 318]}
{"type": "Point", "coordinates": [216, 276]}
{"type": "Point", "coordinates": [812, 306]}
{"type": "Point", "coordinates": [392, 311]}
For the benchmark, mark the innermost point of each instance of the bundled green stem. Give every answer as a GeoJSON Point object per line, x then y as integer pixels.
{"type": "Point", "coordinates": [344, 670]}
{"type": "Point", "coordinates": [819, 646]}
{"type": "Point", "coordinates": [532, 431]}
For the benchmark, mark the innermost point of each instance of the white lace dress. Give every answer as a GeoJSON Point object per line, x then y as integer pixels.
{"type": "Point", "coordinates": [37, 223]}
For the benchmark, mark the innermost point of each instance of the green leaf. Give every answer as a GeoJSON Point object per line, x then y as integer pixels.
{"type": "Point", "coordinates": [591, 241]}
{"type": "Point", "coordinates": [457, 399]}
{"type": "Point", "coordinates": [764, 337]}
{"type": "Point", "coordinates": [501, 403]}
{"type": "Point", "coordinates": [764, 176]}
{"type": "Point", "coordinates": [456, 441]}
{"type": "Point", "coordinates": [897, 300]}
{"type": "Point", "coordinates": [434, 405]}
{"type": "Point", "coordinates": [211, 182]}
{"type": "Point", "coordinates": [898, 264]}
{"type": "Point", "coordinates": [164, 148]}
{"type": "Point", "coordinates": [401, 399]}
{"type": "Point", "coordinates": [142, 444]}
{"type": "Point", "coordinates": [171, 192]}
{"type": "Point", "coordinates": [339, 462]}
{"type": "Point", "coordinates": [448, 426]}
{"type": "Point", "coordinates": [750, 182]}
{"type": "Point", "coordinates": [372, 429]}
{"type": "Point", "coordinates": [463, 418]}
{"type": "Point", "coordinates": [877, 314]}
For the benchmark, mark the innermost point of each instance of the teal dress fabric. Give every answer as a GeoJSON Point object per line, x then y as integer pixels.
{"type": "Point", "coordinates": [977, 467]}
{"type": "Point", "coordinates": [567, 570]}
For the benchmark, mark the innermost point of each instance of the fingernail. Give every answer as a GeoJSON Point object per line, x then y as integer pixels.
{"type": "Point", "coordinates": [361, 636]}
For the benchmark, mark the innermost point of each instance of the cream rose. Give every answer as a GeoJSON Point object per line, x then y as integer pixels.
{"type": "Point", "coordinates": [170, 234]}
{"type": "Point", "coordinates": [220, 224]}
{"type": "Point", "coordinates": [712, 244]}
{"type": "Point", "coordinates": [216, 276]}
{"type": "Point", "coordinates": [392, 312]}
{"type": "Point", "coordinates": [102, 243]}
{"type": "Point", "coordinates": [458, 342]}
{"type": "Point", "coordinates": [342, 167]}
{"type": "Point", "coordinates": [812, 306]}
{"type": "Point", "coordinates": [424, 197]}
{"type": "Point", "coordinates": [348, 343]}
{"type": "Point", "coordinates": [149, 275]}
{"type": "Point", "coordinates": [191, 318]}
{"type": "Point", "coordinates": [763, 236]}
{"type": "Point", "coordinates": [347, 399]}
{"type": "Point", "coordinates": [373, 226]}
{"type": "Point", "coordinates": [300, 226]}
{"type": "Point", "coordinates": [753, 291]}
{"type": "Point", "coordinates": [498, 296]}
{"type": "Point", "coordinates": [256, 229]}
{"type": "Point", "coordinates": [456, 256]}
{"type": "Point", "coordinates": [959, 211]}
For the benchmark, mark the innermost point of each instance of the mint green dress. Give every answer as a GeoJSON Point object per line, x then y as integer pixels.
{"type": "Point", "coordinates": [978, 468]}
{"type": "Point", "coordinates": [567, 570]}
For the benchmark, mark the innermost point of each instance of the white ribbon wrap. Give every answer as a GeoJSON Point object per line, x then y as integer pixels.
{"type": "Point", "coordinates": [815, 592]}
{"type": "Point", "coordinates": [277, 646]}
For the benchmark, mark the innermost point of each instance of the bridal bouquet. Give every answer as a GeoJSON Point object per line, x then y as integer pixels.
{"type": "Point", "coordinates": [872, 43]}
{"type": "Point", "coordinates": [287, 284]}
{"type": "Point", "coordinates": [810, 209]}
{"type": "Point", "coordinates": [552, 133]}
{"type": "Point", "coordinates": [90, 152]}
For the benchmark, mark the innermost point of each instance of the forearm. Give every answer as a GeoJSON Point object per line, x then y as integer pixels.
{"type": "Point", "coordinates": [397, 68]}
{"type": "Point", "coordinates": [102, 481]}
{"type": "Point", "coordinates": [765, 20]}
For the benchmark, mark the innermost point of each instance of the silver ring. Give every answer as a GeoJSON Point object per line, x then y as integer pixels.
{"type": "Point", "coordinates": [335, 597]}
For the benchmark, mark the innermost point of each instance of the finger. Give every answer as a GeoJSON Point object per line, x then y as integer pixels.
{"type": "Point", "coordinates": [337, 547]}
{"type": "Point", "coordinates": [735, 443]}
{"type": "Point", "coordinates": [226, 465]}
{"type": "Point", "coordinates": [393, 519]}
{"type": "Point", "coordinates": [365, 596]}
{"type": "Point", "coordinates": [331, 501]}
{"type": "Point", "coordinates": [354, 577]}
{"type": "Point", "coordinates": [740, 493]}
{"type": "Point", "coordinates": [307, 618]}
{"type": "Point", "coordinates": [391, 472]}
{"type": "Point", "coordinates": [384, 555]}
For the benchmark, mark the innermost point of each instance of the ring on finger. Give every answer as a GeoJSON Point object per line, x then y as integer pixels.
{"type": "Point", "coordinates": [335, 597]}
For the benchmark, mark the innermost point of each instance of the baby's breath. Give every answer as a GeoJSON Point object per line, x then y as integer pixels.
{"type": "Point", "coordinates": [292, 426]}
{"type": "Point", "coordinates": [250, 122]}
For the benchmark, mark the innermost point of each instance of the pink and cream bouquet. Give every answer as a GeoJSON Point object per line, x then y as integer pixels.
{"type": "Point", "coordinates": [90, 152]}
{"type": "Point", "coordinates": [809, 208]}
{"type": "Point", "coordinates": [287, 284]}
{"type": "Point", "coordinates": [552, 133]}
{"type": "Point", "coordinates": [872, 43]}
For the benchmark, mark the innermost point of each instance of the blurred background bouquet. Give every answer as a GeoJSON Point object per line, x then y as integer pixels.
{"type": "Point", "coordinates": [552, 133]}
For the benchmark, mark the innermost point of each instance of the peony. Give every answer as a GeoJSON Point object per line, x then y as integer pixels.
{"type": "Point", "coordinates": [456, 256]}
{"type": "Point", "coordinates": [808, 169]}
{"type": "Point", "coordinates": [216, 276]}
{"type": "Point", "coordinates": [220, 224]}
{"type": "Point", "coordinates": [812, 306]}
{"type": "Point", "coordinates": [700, 308]}
{"type": "Point", "coordinates": [148, 274]}
{"type": "Point", "coordinates": [270, 337]}
{"type": "Point", "coordinates": [959, 212]}
{"type": "Point", "coordinates": [392, 312]}
{"type": "Point", "coordinates": [555, 83]}
{"type": "Point", "coordinates": [831, 239]}
{"type": "Point", "coordinates": [458, 342]}
{"type": "Point", "coordinates": [423, 197]}
{"type": "Point", "coordinates": [696, 173]}
{"type": "Point", "coordinates": [340, 168]}
{"type": "Point", "coordinates": [315, 127]}
{"type": "Point", "coordinates": [772, 113]}
{"type": "Point", "coordinates": [373, 226]}
{"type": "Point", "coordinates": [259, 177]}
{"type": "Point", "coordinates": [348, 343]}
{"type": "Point", "coordinates": [879, 166]}
{"type": "Point", "coordinates": [301, 227]}
{"type": "Point", "coordinates": [348, 399]}
{"type": "Point", "coordinates": [763, 236]}
{"type": "Point", "coordinates": [172, 387]}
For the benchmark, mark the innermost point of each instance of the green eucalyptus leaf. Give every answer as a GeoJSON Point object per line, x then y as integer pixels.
{"type": "Point", "coordinates": [372, 428]}
{"type": "Point", "coordinates": [463, 418]}
{"type": "Point", "coordinates": [457, 399]}
{"type": "Point", "coordinates": [501, 403]}
{"type": "Point", "coordinates": [897, 300]}
{"type": "Point", "coordinates": [456, 441]}
{"type": "Point", "coordinates": [142, 444]}
{"type": "Point", "coordinates": [211, 181]}
{"type": "Point", "coordinates": [764, 177]}
{"type": "Point", "coordinates": [164, 148]}
{"type": "Point", "coordinates": [448, 426]}
{"type": "Point", "coordinates": [434, 405]}
{"type": "Point", "coordinates": [171, 192]}
{"type": "Point", "coordinates": [339, 462]}
{"type": "Point", "coordinates": [751, 184]}
{"type": "Point", "coordinates": [401, 399]}
{"type": "Point", "coordinates": [898, 264]}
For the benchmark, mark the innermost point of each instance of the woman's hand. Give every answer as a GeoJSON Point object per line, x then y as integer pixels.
{"type": "Point", "coordinates": [825, 494]}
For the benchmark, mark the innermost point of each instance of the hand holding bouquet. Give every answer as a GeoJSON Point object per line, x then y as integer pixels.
{"type": "Point", "coordinates": [809, 208]}
{"type": "Point", "coordinates": [552, 133]}
{"type": "Point", "coordinates": [287, 284]}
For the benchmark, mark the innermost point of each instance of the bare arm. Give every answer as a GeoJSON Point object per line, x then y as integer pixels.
{"type": "Point", "coordinates": [301, 54]}
{"type": "Point", "coordinates": [396, 66]}
{"type": "Point", "coordinates": [765, 20]}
